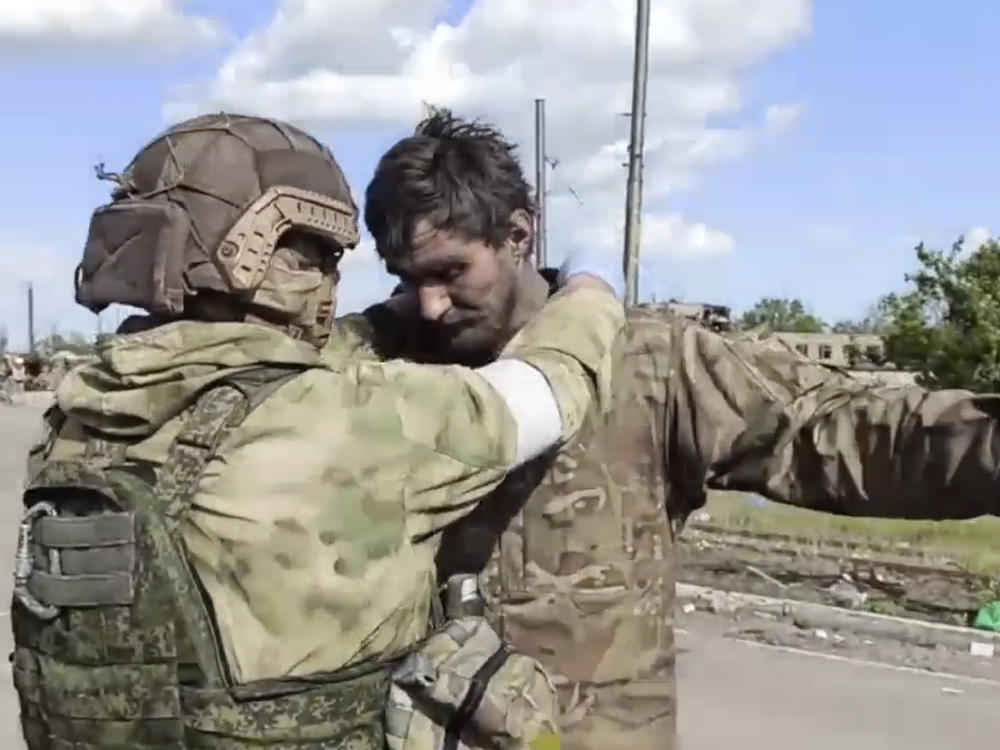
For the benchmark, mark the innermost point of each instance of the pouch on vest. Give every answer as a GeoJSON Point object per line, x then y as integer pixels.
{"type": "Point", "coordinates": [114, 642]}
{"type": "Point", "coordinates": [465, 689]}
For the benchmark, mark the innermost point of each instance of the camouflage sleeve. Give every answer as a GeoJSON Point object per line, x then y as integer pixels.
{"type": "Point", "coordinates": [574, 329]}
{"type": "Point", "coordinates": [461, 433]}
{"type": "Point", "coordinates": [353, 339]}
{"type": "Point", "coordinates": [750, 414]}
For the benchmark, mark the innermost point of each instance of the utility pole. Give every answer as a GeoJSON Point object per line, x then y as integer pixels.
{"type": "Point", "coordinates": [31, 319]}
{"type": "Point", "coordinates": [541, 250]}
{"type": "Point", "coordinates": [633, 195]}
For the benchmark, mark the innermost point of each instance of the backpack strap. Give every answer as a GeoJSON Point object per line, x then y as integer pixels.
{"type": "Point", "coordinates": [215, 413]}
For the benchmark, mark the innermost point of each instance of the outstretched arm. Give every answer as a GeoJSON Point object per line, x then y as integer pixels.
{"type": "Point", "coordinates": [750, 414]}
{"type": "Point", "coordinates": [463, 429]}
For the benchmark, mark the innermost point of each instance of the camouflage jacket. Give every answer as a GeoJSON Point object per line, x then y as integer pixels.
{"type": "Point", "coordinates": [578, 548]}
{"type": "Point", "coordinates": [311, 528]}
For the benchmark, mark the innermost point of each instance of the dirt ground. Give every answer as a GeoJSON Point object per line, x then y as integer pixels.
{"type": "Point", "coordinates": [845, 565]}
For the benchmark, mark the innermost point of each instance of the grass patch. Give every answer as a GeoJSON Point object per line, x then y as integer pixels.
{"type": "Point", "coordinates": [974, 544]}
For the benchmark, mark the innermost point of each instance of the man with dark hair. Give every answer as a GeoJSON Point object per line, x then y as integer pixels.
{"type": "Point", "coordinates": [488, 286]}
{"type": "Point", "coordinates": [577, 549]}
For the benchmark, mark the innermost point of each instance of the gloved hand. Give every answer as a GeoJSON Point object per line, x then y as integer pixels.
{"type": "Point", "coordinates": [584, 263]}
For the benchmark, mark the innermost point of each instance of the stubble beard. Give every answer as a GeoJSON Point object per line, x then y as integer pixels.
{"type": "Point", "coordinates": [485, 342]}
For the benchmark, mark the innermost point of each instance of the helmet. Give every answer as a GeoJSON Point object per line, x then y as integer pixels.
{"type": "Point", "coordinates": [201, 209]}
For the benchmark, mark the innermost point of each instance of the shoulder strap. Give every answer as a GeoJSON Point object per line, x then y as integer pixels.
{"type": "Point", "coordinates": [217, 410]}
{"type": "Point", "coordinates": [53, 419]}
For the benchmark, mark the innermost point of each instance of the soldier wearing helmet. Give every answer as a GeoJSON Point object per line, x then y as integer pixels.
{"type": "Point", "coordinates": [226, 542]}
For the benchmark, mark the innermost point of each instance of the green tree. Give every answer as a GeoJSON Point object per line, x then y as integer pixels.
{"type": "Point", "coordinates": [781, 315]}
{"type": "Point", "coordinates": [858, 355]}
{"type": "Point", "coordinates": [872, 322]}
{"type": "Point", "coordinates": [947, 324]}
{"type": "Point", "coordinates": [847, 326]}
{"type": "Point", "coordinates": [4, 339]}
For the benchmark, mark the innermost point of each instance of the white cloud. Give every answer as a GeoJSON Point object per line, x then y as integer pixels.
{"type": "Point", "coordinates": [976, 238]}
{"type": "Point", "coordinates": [779, 118]}
{"type": "Point", "coordinates": [664, 235]}
{"type": "Point", "coordinates": [324, 63]}
{"type": "Point", "coordinates": [99, 25]}
{"type": "Point", "coordinates": [672, 236]}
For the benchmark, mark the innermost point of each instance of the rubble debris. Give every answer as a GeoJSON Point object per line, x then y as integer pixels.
{"type": "Point", "coordinates": [845, 594]}
{"type": "Point", "coordinates": [985, 650]}
{"type": "Point", "coordinates": [770, 579]}
{"type": "Point", "coordinates": [721, 603]}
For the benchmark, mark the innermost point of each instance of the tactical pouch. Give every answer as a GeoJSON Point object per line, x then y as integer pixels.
{"type": "Point", "coordinates": [116, 263]}
{"type": "Point", "coordinates": [466, 689]}
{"type": "Point", "coordinates": [114, 641]}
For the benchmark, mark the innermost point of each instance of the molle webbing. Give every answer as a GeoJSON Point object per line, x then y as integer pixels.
{"type": "Point", "coordinates": [131, 658]}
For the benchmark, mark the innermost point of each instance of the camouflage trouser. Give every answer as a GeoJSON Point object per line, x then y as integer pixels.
{"type": "Point", "coordinates": [616, 683]}
{"type": "Point", "coordinates": [634, 715]}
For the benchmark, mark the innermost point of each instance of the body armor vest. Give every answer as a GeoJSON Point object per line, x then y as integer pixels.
{"type": "Point", "coordinates": [115, 643]}
{"type": "Point", "coordinates": [577, 559]}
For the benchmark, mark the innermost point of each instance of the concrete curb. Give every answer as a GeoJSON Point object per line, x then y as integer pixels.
{"type": "Point", "coordinates": [810, 615]}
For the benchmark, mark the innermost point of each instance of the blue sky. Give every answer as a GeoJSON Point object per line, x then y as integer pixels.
{"type": "Point", "coordinates": [896, 143]}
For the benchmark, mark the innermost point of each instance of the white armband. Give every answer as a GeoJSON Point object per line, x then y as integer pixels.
{"type": "Point", "coordinates": [529, 397]}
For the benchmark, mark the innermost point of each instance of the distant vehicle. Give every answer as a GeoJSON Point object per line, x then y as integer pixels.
{"type": "Point", "coordinates": [715, 317]}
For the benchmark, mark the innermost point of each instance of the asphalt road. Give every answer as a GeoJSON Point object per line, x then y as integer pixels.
{"type": "Point", "coordinates": [732, 694]}
{"type": "Point", "coordinates": [753, 697]}
{"type": "Point", "coordinates": [18, 429]}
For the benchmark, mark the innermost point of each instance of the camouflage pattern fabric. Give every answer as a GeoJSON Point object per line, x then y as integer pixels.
{"type": "Point", "coordinates": [578, 550]}
{"type": "Point", "coordinates": [309, 531]}
{"type": "Point", "coordinates": [434, 690]}
{"type": "Point", "coordinates": [142, 668]}
{"type": "Point", "coordinates": [281, 562]}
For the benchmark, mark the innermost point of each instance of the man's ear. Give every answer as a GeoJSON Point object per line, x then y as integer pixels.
{"type": "Point", "coordinates": [522, 235]}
